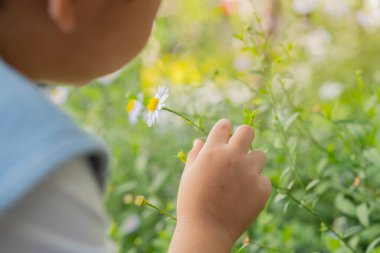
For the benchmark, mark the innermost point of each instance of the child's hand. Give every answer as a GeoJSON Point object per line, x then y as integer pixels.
{"type": "Point", "coordinates": [222, 190]}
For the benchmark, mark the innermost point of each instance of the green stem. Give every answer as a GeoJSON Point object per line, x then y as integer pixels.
{"type": "Point", "coordinates": [285, 138]}
{"type": "Point", "coordinates": [161, 211]}
{"type": "Point", "coordinates": [191, 122]}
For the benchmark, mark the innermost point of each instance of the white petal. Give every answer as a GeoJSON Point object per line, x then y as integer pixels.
{"type": "Point", "coordinates": [150, 122]}
{"type": "Point", "coordinates": [163, 93]}
{"type": "Point", "coordinates": [159, 92]}
{"type": "Point", "coordinates": [149, 118]}
{"type": "Point", "coordinates": [164, 97]}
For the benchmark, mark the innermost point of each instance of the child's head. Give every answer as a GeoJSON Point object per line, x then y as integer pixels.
{"type": "Point", "coordinates": [73, 41]}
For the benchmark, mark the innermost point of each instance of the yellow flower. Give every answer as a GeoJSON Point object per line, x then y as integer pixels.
{"type": "Point", "coordinates": [130, 105]}
{"type": "Point", "coordinates": [140, 200]}
{"type": "Point", "coordinates": [182, 156]}
{"type": "Point", "coordinates": [128, 199]}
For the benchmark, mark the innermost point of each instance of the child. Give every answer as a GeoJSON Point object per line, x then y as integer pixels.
{"type": "Point", "coordinates": [51, 172]}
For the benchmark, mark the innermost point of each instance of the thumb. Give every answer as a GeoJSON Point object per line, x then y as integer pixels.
{"type": "Point", "coordinates": [193, 154]}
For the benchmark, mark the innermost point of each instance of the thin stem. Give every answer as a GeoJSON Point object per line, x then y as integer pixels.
{"type": "Point", "coordinates": [191, 122]}
{"type": "Point", "coordinates": [162, 211]}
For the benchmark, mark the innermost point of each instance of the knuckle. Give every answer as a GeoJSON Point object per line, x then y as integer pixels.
{"type": "Point", "coordinates": [233, 160]}
{"type": "Point", "coordinates": [210, 155]}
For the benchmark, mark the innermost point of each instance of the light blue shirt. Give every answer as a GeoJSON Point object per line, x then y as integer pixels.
{"type": "Point", "coordinates": [36, 137]}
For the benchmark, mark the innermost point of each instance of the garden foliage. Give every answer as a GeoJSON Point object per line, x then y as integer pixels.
{"type": "Point", "coordinates": [304, 74]}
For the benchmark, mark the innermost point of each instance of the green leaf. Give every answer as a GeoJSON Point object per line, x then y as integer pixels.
{"type": "Point", "coordinates": [286, 206]}
{"type": "Point", "coordinates": [352, 231]}
{"type": "Point", "coordinates": [345, 205]}
{"type": "Point", "coordinates": [362, 213]}
{"type": "Point", "coordinates": [200, 123]}
{"type": "Point", "coordinates": [372, 245]}
{"type": "Point", "coordinates": [243, 248]}
{"type": "Point", "coordinates": [249, 116]}
{"type": "Point", "coordinates": [373, 156]}
{"type": "Point", "coordinates": [371, 102]}
{"type": "Point", "coordinates": [312, 184]}
{"type": "Point", "coordinates": [239, 37]}
{"type": "Point", "coordinates": [112, 231]}
{"type": "Point", "coordinates": [359, 79]}
{"type": "Point", "coordinates": [279, 197]}
{"type": "Point", "coordinates": [290, 120]}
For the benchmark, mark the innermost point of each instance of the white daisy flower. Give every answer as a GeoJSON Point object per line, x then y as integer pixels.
{"type": "Point", "coordinates": [155, 104]}
{"type": "Point", "coordinates": [58, 95]}
{"type": "Point", "coordinates": [134, 109]}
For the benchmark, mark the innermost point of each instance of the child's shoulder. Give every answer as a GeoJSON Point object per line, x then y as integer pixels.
{"type": "Point", "coordinates": [35, 137]}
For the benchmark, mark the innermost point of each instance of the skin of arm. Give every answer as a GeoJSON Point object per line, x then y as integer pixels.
{"type": "Point", "coordinates": [221, 191]}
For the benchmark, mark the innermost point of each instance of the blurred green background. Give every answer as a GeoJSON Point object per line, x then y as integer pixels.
{"type": "Point", "coordinates": [306, 71]}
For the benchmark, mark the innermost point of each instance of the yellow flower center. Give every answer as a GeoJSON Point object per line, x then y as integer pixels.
{"type": "Point", "coordinates": [152, 105]}
{"type": "Point", "coordinates": [130, 105]}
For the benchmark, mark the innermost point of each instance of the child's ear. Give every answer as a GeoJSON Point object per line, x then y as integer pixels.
{"type": "Point", "coordinates": [62, 12]}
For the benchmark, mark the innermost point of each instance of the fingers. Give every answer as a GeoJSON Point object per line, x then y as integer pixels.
{"type": "Point", "coordinates": [242, 138]}
{"type": "Point", "coordinates": [265, 189]}
{"type": "Point", "coordinates": [193, 154]}
{"type": "Point", "coordinates": [258, 160]}
{"type": "Point", "coordinates": [220, 133]}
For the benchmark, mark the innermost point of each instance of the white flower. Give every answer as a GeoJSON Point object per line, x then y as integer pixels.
{"type": "Point", "coordinates": [304, 7]}
{"type": "Point", "coordinates": [131, 224]}
{"type": "Point", "coordinates": [58, 95]}
{"type": "Point", "coordinates": [330, 90]}
{"type": "Point", "coordinates": [237, 93]}
{"type": "Point", "coordinates": [316, 42]}
{"type": "Point", "coordinates": [368, 18]}
{"type": "Point", "coordinates": [155, 104]}
{"type": "Point", "coordinates": [245, 10]}
{"type": "Point", "coordinates": [134, 108]}
{"type": "Point", "coordinates": [336, 8]}
{"type": "Point", "coordinates": [243, 62]}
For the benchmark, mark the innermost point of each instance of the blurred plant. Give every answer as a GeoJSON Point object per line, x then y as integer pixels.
{"type": "Point", "coordinates": [142, 201]}
{"type": "Point", "coordinates": [310, 88]}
